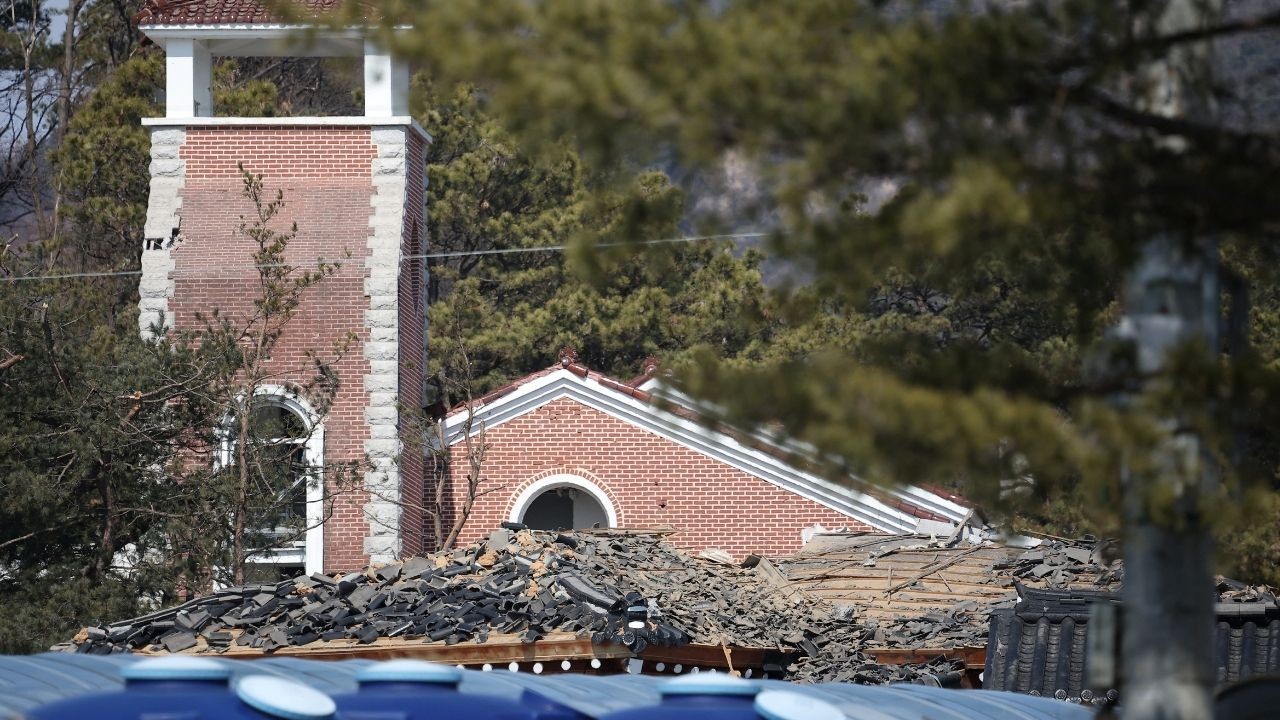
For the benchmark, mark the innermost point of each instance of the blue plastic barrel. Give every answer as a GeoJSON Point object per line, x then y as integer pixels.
{"type": "Point", "coordinates": [29, 681]}
{"type": "Point", "coordinates": [420, 690]}
{"type": "Point", "coordinates": [904, 701]}
{"type": "Point", "coordinates": [544, 708]}
{"type": "Point", "coordinates": [787, 705]}
{"type": "Point", "coordinates": [566, 696]}
{"type": "Point", "coordinates": [193, 689]}
{"type": "Point", "coordinates": [704, 696]}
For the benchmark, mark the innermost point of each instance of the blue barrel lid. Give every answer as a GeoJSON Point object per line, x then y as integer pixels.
{"type": "Point", "coordinates": [787, 705]}
{"type": "Point", "coordinates": [415, 671]}
{"type": "Point", "coordinates": [282, 698]}
{"type": "Point", "coordinates": [176, 668]}
{"type": "Point", "coordinates": [708, 683]}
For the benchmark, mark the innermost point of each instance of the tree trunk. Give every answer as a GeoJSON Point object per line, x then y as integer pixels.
{"type": "Point", "coordinates": [242, 494]}
{"type": "Point", "coordinates": [64, 95]}
{"type": "Point", "coordinates": [107, 531]}
{"type": "Point", "coordinates": [1171, 299]}
{"type": "Point", "coordinates": [1167, 644]}
{"type": "Point", "coordinates": [1168, 623]}
{"type": "Point", "coordinates": [29, 121]}
{"type": "Point", "coordinates": [475, 448]}
{"type": "Point", "coordinates": [440, 472]}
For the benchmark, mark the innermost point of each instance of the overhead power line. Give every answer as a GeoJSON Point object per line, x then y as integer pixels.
{"type": "Point", "coordinates": [423, 256]}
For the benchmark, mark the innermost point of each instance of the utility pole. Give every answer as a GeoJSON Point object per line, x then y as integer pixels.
{"type": "Point", "coordinates": [1167, 642]}
{"type": "Point", "coordinates": [1171, 299]}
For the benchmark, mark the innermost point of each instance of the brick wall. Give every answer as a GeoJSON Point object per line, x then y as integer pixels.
{"type": "Point", "coordinates": [412, 291]}
{"type": "Point", "coordinates": [652, 481]}
{"type": "Point", "coordinates": [325, 174]}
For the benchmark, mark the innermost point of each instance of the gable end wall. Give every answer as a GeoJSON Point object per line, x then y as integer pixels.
{"type": "Point", "coordinates": [654, 482]}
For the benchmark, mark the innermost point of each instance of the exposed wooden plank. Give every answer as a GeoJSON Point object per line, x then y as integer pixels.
{"type": "Point", "coordinates": [770, 573]}
{"type": "Point", "coordinates": [926, 572]}
{"type": "Point", "coordinates": [503, 650]}
{"type": "Point", "coordinates": [876, 597]}
{"type": "Point", "coordinates": [877, 587]}
{"type": "Point", "coordinates": [706, 656]}
{"type": "Point", "coordinates": [797, 573]}
{"type": "Point", "coordinates": [973, 657]}
{"type": "Point", "coordinates": [874, 575]}
{"type": "Point", "coordinates": [992, 553]}
{"type": "Point", "coordinates": [499, 648]}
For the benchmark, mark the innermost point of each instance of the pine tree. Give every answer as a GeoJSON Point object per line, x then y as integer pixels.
{"type": "Point", "coordinates": [89, 425]}
{"type": "Point", "coordinates": [1006, 161]}
{"type": "Point", "coordinates": [1086, 138]}
{"type": "Point", "coordinates": [510, 312]}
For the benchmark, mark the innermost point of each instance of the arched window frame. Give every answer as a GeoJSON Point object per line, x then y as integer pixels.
{"type": "Point", "coordinates": [310, 552]}
{"type": "Point", "coordinates": [538, 487]}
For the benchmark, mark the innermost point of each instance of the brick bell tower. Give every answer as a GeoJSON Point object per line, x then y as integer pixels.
{"type": "Point", "coordinates": [353, 185]}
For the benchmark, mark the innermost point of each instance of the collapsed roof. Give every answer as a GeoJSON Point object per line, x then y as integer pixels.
{"type": "Point", "coordinates": [625, 590]}
{"type": "Point", "coordinates": [922, 591]}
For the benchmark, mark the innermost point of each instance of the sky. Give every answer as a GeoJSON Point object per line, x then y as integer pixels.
{"type": "Point", "coordinates": [57, 8]}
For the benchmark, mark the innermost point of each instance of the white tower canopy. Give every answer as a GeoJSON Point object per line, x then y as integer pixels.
{"type": "Point", "coordinates": [193, 32]}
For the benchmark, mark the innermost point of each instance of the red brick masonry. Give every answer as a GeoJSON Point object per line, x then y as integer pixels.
{"type": "Point", "coordinates": [652, 480]}
{"type": "Point", "coordinates": [325, 174]}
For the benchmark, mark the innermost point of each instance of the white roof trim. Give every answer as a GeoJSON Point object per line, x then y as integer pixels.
{"type": "Point", "coordinates": [274, 29]}
{"type": "Point", "coordinates": [919, 497]}
{"type": "Point", "coordinates": [309, 120]}
{"type": "Point", "coordinates": [711, 443]}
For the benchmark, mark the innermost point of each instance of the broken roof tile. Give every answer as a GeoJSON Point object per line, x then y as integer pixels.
{"type": "Point", "coordinates": [618, 587]}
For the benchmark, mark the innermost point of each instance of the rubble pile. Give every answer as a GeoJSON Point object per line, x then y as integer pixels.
{"type": "Point", "coordinates": [616, 587]}
{"type": "Point", "coordinates": [1248, 597]}
{"type": "Point", "coordinates": [831, 652]}
{"type": "Point", "coordinates": [1059, 565]}
{"type": "Point", "coordinates": [521, 583]}
{"type": "Point", "coordinates": [961, 625]}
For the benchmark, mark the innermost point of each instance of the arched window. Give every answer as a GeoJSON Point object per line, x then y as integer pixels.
{"type": "Point", "coordinates": [280, 443]}
{"type": "Point", "coordinates": [563, 502]}
{"type": "Point", "coordinates": [285, 459]}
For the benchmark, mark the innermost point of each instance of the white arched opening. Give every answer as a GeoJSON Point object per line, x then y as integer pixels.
{"type": "Point", "coordinates": [300, 437]}
{"type": "Point", "coordinates": [563, 500]}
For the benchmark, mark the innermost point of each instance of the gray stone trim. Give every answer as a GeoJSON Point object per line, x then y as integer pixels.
{"type": "Point", "coordinates": [168, 175]}
{"type": "Point", "coordinates": [382, 319]}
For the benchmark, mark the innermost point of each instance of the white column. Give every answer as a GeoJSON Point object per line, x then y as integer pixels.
{"type": "Point", "coordinates": [188, 79]}
{"type": "Point", "coordinates": [386, 83]}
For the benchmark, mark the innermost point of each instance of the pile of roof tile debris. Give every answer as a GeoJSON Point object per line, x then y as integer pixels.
{"type": "Point", "coordinates": [618, 587]}
{"type": "Point", "coordinates": [832, 653]}
{"type": "Point", "coordinates": [962, 625]}
{"type": "Point", "coordinates": [1248, 598]}
{"type": "Point", "coordinates": [1060, 565]}
{"type": "Point", "coordinates": [921, 591]}
{"type": "Point", "coordinates": [1057, 564]}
